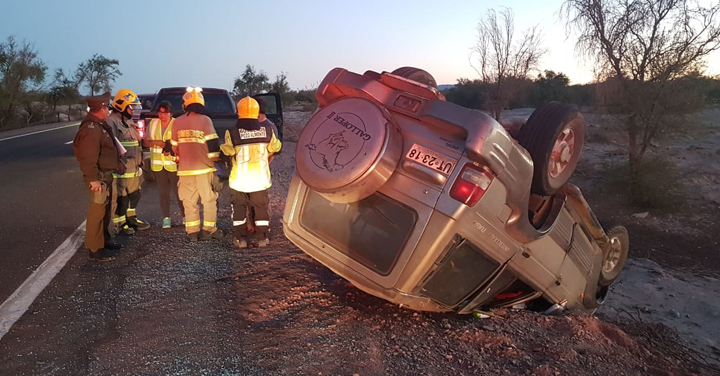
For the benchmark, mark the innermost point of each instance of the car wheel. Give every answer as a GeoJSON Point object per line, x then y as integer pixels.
{"type": "Point", "coordinates": [417, 75]}
{"type": "Point", "coordinates": [554, 136]}
{"type": "Point", "coordinates": [615, 255]}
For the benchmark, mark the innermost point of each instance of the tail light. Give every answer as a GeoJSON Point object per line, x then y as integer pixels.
{"type": "Point", "coordinates": [471, 184]}
{"type": "Point", "coordinates": [141, 128]}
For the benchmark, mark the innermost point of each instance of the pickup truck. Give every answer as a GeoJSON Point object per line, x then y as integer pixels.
{"type": "Point", "coordinates": [219, 106]}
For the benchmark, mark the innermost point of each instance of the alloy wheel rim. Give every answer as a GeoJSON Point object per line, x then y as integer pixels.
{"type": "Point", "coordinates": [613, 256]}
{"type": "Point", "coordinates": [562, 153]}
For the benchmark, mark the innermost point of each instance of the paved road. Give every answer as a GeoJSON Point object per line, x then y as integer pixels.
{"type": "Point", "coordinates": [41, 199]}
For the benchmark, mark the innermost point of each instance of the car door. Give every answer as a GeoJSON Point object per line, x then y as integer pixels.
{"type": "Point", "coordinates": [273, 110]}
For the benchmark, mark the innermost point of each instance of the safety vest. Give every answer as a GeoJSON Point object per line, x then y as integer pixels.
{"type": "Point", "coordinates": [250, 150]}
{"type": "Point", "coordinates": [158, 160]}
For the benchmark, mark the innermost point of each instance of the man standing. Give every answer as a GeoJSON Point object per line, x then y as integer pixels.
{"type": "Point", "coordinates": [127, 184]}
{"type": "Point", "coordinates": [196, 147]}
{"type": "Point", "coordinates": [97, 152]}
{"type": "Point", "coordinates": [161, 159]}
{"type": "Point", "coordinates": [251, 145]}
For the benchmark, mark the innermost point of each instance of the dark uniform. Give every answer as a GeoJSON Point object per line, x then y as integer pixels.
{"type": "Point", "coordinates": [95, 149]}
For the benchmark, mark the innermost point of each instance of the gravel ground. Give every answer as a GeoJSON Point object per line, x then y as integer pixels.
{"type": "Point", "coordinates": [175, 308]}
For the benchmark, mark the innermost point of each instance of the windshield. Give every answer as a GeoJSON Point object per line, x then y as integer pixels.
{"type": "Point", "coordinates": [146, 101]}
{"type": "Point", "coordinates": [215, 102]}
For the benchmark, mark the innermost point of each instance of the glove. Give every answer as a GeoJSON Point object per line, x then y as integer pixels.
{"type": "Point", "coordinates": [167, 149]}
{"type": "Point", "coordinates": [216, 184]}
{"type": "Point", "coordinates": [120, 168]}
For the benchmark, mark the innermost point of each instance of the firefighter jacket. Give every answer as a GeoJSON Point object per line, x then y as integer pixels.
{"type": "Point", "coordinates": [95, 149]}
{"type": "Point", "coordinates": [195, 143]}
{"type": "Point", "coordinates": [126, 132]}
{"type": "Point", "coordinates": [250, 150]}
{"type": "Point", "coordinates": [158, 160]}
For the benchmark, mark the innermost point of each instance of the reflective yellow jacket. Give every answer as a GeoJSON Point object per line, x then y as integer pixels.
{"type": "Point", "coordinates": [250, 150]}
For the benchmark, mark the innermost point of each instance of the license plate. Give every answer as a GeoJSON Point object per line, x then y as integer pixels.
{"type": "Point", "coordinates": [430, 158]}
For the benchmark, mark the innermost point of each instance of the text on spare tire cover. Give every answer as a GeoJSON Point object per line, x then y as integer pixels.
{"type": "Point", "coordinates": [333, 147]}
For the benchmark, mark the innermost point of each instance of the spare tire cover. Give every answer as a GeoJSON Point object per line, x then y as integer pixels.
{"type": "Point", "coordinates": [348, 150]}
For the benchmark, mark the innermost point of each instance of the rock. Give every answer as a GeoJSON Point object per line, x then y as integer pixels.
{"type": "Point", "coordinates": [674, 314]}
{"type": "Point", "coordinates": [642, 215]}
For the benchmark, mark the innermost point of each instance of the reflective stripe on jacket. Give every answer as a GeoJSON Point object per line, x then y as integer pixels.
{"type": "Point", "coordinates": [158, 160]}
{"type": "Point", "coordinates": [250, 150]}
{"type": "Point", "coordinates": [195, 143]}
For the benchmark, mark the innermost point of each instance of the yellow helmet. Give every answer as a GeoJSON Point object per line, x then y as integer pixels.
{"type": "Point", "coordinates": [123, 99]}
{"type": "Point", "coordinates": [193, 95]}
{"type": "Point", "coordinates": [248, 108]}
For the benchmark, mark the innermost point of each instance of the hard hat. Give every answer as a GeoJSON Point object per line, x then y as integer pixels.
{"type": "Point", "coordinates": [123, 99]}
{"type": "Point", "coordinates": [248, 108]}
{"type": "Point", "coordinates": [193, 95]}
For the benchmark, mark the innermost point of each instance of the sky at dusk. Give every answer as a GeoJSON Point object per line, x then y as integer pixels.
{"type": "Point", "coordinates": [208, 43]}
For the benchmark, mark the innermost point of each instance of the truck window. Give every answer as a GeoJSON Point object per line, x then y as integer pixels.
{"type": "Point", "coordinates": [214, 102]}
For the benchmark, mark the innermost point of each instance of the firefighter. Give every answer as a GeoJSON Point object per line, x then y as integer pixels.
{"type": "Point", "coordinates": [127, 185]}
{"type": "Point", "coordinates": [251, 145]}
{"type": "Point", "coordinates": [96, 150]}
{"type": "Point", "coordinates": [197, 148]}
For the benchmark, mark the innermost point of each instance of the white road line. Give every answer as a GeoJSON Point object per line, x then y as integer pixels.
{"type": "Point", "coordinates": [16, 305]}
{"type": "Point", "coordinates": [32, 133]}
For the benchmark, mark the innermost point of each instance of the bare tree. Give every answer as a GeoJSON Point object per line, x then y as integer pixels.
{"type": "Point", "coordinates": [504, 61]}
{"type": "Point", "coordinates": [642, 49]}
{"type": "Point", "coordinates": [63, 90]}
{"type": "Point", "coordinates": [98, 73]}
{"type": "Point", "coordinates": [21, 72]}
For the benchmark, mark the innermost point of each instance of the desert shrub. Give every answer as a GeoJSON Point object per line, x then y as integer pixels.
{"type": "Point", "coordinates": [654, 183]}
{"type": "Point", "coordinates": [597, 136]}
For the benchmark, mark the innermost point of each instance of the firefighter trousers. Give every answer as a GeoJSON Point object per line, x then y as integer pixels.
{"type": "Point", "coordinates": [256, 201]}
{"type": "Point", "coordinates": [192, 189]}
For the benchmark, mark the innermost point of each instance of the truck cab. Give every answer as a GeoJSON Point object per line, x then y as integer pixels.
{"type": "Point", "coordinates": [219, 107]}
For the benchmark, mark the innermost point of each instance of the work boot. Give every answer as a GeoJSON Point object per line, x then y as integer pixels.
{"type": "Point", "coordinates": [166, 222]}
{"type": "Point", "coordinates": [137, 224]}
{"type": "Point", "coordinates": [193, 236]}
{"type": "Point", "coordinates": [206, 235]}
{"type": "Point", "coordinates": [113, 246]}
{"type": "Point", "coordinates": [126, 230]}
{"type": "Point", "coordinates": [240, 243]}
{"type": "Point", "coordinates": [264, 242]}
{"type": "Point", "coordinates": [100, 255]}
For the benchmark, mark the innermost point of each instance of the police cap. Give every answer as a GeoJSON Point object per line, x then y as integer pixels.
{"type": "Point", "coordinates": [97, 101]}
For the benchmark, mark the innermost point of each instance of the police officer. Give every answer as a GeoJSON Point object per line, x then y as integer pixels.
{"type": "Point", "coordinates": [127, 184]}
{"type": "Point", "coordinates": [96, 150]}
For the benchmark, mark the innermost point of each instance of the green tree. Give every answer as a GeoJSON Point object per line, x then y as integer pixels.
{"type": "Point", "coordinates": [21, 71]}
{"type": "Point", "coordinates": [98, 73]}
{"type": "Point", "coordinates": [551, 87]}
{"type": "Point", "coordinates": [282, 87]}
{"type": "Point", "coordinates": [250, 83]}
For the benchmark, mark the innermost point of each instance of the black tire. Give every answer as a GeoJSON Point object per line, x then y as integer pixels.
{"type": "Point", "coordinates": [615, 255]}
{"type": "Point", "coordinates": [416, 74]}
{"type": "Point", "coordinates": [553, 127]}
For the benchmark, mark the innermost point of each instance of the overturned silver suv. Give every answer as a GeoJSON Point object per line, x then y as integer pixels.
{"type": "Point", "coordinates": [437, 207]}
